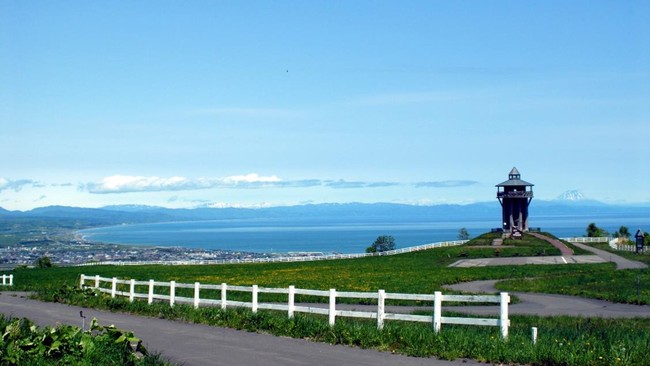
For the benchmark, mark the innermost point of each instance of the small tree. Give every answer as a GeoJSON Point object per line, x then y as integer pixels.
{"type": "Point", "coordinates": [382, 243]}
{"type": "Point", "coordinates": [623, 233]}
{"type": "Point", "coordinates": [594, 231]}
{"type": "Point", "coordinates": [463, 234]}
{"type": "Point", "coordinates": [43, 262]}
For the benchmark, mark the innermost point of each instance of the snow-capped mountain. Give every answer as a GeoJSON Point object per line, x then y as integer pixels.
{"type": "Point", "coordinates": [571, 195]}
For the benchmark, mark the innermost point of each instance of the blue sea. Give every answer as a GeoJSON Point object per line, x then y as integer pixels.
{"type": "Point", "coordinates": [295, 235]}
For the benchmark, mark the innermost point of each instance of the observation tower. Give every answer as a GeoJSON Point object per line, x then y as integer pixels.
{"type": "Point", "coordinates": [514, 195]}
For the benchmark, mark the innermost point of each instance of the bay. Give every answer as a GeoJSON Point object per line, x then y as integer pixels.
{"type": "Point", "coordinates": [331, 236]}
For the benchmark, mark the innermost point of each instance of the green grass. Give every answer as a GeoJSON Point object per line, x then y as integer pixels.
{"type": "Point", "coordinates": [625, 286]}
{"type": "Point", "coordinates": [418, 272]}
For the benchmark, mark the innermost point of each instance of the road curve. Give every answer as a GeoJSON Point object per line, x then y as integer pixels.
{"type": "Point", "coordinates": [548, 304]}
{"type": "Point", "coordinates": [199, 345]}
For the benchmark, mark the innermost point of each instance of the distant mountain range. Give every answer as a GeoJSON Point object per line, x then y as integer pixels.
{"type": "Point", "coordinates": [113, 215]}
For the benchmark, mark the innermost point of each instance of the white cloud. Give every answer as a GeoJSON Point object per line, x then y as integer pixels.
{"type": "Point", "coordinates": [125, 183]}
{"type": "Point", "coordinates": [251, 178]}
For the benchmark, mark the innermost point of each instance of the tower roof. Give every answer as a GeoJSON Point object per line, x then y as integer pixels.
{"type": "Point", "coordinates": [514, 179]}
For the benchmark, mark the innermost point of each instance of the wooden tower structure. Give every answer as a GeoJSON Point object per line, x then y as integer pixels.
{"type": "Point", "coordinates": [514, 195]}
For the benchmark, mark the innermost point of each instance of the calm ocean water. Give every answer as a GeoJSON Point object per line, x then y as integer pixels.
{"type": "Point", "coordinates": [282, 235]}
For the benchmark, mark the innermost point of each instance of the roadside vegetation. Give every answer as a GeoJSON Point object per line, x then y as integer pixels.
{"type": "Point", "coordinates": [562, 340]}
{"type": "Point", "coordinates": [23, 343]}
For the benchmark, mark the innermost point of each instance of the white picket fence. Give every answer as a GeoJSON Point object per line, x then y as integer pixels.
{"type": "Point", "coordinates": [291, 308]}
{"type": "Point", "coordinates": [585, 239]}
{"type": "Point", "coordinates": [7, 280]}
{"type": "Point", "coordinates": [627, 248]}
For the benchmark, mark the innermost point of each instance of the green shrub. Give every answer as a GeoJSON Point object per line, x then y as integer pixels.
{"type": "Point", "coordinates": [23, 343]}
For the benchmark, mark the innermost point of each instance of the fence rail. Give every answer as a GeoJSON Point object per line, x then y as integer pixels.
{"type": "Point", "coordinates": [291, 307]}
{"type": "Point", "coordinates": [585, 239]}
{"type": "Point", "coordinates": [7, 280]}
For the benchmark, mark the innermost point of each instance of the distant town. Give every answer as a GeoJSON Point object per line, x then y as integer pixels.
{"type": "Point", "coordinates": [79, 251]}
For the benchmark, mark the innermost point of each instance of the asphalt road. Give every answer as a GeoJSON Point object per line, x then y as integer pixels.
{"type": "Point", "coordinates": [199, 345]}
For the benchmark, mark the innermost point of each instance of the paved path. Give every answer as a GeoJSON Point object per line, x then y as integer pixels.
{"type": "Point", "coordinates": [621, 263]}
{"type": "Point", "coordinates": [566, 251]}
{"type": "Point", "coordinates": [548, 304]}
{"type": "Point", "coordinates": [520, 261]}
{"type": "Point", "coordinates": [201, 345]}
{"type": "Point", "coordinates": [598, 256]}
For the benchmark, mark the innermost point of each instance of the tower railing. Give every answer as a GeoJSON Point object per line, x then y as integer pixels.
{"type": "Point", "coordinates": [518, 194]}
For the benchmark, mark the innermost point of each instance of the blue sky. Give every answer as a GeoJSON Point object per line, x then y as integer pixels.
{"type": "Point", "coordinates": [238, 103]}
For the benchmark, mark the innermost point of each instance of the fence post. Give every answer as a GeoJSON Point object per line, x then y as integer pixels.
{"type": "Point", "coordinates": [533, 334]}
{"type": "Point", "coordinates": [292, 304]}
{"type": "Point", "coordinates": [150, 297]}
{"type": "Point", "coordinates": [82, 279]}
{"type": "Point", "coordinates": [197, 289]}
{"type": "Point", "coordinates": [254, 300]}
{"type": "Point", "coordinates": [131, 290]}
{"type": "Point", "coordinates": [113, 286]}
{"type": "Point", "coordinates": [4, 280]}
{"type": "Point", "coordinates": [224, 289]}
{"type": "Point", "coordinates": [332, 310]}
{"type": "Point", "coordinates": [504, 322]}
{"type": "Point", "coordinates": [381, 299]}
{"type": "Point", "coordinates": [11, 280]}
{"type": "Point", "coordinates": [437, 311]}
{"type": "Point", "coordinates": [96, 281]}
{"type": "Point", "coordinates": [172, 292]}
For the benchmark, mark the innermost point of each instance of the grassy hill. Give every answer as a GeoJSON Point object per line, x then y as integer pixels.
{"type": "Point", "coordinates": [562, 341]}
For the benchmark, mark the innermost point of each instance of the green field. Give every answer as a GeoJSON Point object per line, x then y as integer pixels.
{"type": "Point", "coordinates": [417, 272]}
{"type": "Point", "coordinates": [563, 340]}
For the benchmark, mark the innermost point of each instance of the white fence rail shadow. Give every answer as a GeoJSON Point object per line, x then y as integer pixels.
{"type": "Point", "coordinates": [7, 280]}
{"type": "Point", "coordinates": [291, 308]}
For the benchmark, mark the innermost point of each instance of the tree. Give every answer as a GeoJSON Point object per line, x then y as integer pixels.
{"type": "Point", "coordinates": [382, 243]}
{"type": "Point", "coordinates": [594, 231]}
{"type": "Point", "coordinates": [463, 234]}
{"type": "Point", "coordinates": [623, 232]}
{"type": "Point", "coordinates": [43, 262]}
